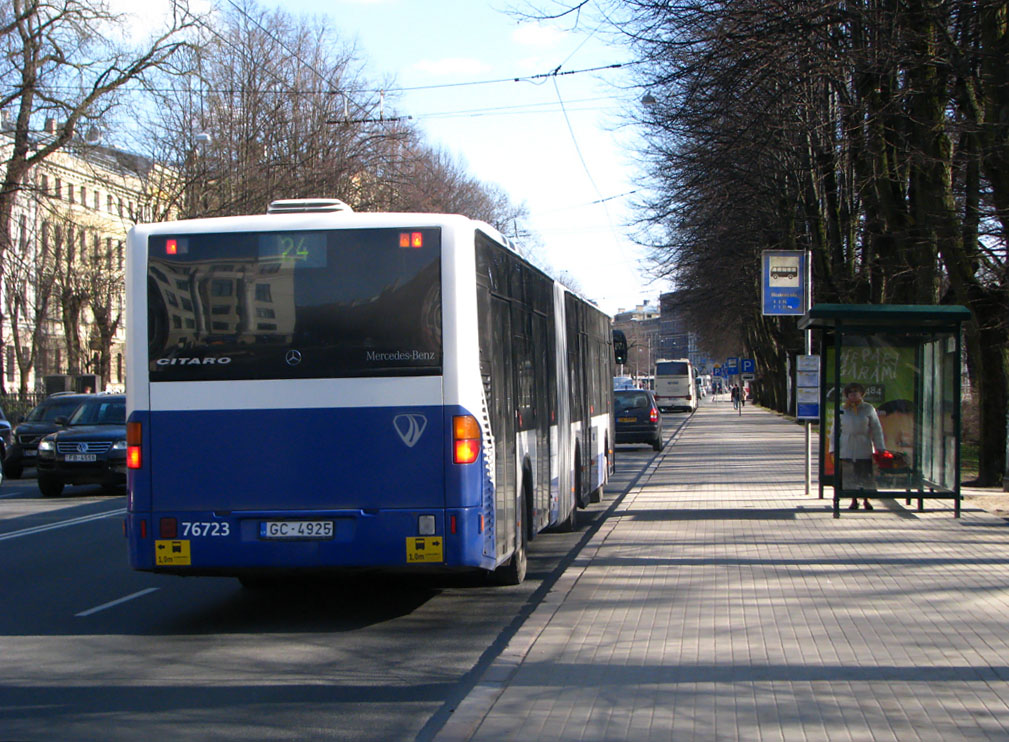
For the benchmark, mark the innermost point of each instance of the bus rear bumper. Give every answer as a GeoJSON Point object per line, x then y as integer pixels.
{"type": "Point", "coordinates": [205, 543]}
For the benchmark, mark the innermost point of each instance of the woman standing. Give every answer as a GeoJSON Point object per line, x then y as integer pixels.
{"type": "Point", "coordinates": [861, 433]}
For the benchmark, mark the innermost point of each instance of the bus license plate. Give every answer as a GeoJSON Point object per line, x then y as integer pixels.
{"type": "Point", "coordinates": [80, 457]}
{"type": "Point", "coordinates": [295, 529]}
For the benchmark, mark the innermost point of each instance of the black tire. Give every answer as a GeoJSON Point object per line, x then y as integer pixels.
{"type": "Point", "coordinates": [513, 572]}
{"type": "Point", "coordinates": [657, 443]}
{"type": "Point", "coordinates": [50, 486]}
{"type": "Point", "coordinates": [569, 524]}
{"type": "Point", "coordinates": [581, 498]}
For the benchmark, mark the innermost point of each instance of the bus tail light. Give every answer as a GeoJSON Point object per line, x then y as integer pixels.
{"type": "Point", "coordinates": [133, 438]}
{"type": "Point", "coordinates": [465, 439]}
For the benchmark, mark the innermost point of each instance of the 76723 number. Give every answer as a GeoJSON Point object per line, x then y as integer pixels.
{"type": "Point", "coordinates": [199, 528]}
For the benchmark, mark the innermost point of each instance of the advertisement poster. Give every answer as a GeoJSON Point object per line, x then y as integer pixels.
{"type": "Point", "coordinates": [888, 373]}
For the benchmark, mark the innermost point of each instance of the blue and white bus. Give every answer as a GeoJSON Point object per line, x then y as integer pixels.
{"type": "Point", "coordinates": [315, 389]}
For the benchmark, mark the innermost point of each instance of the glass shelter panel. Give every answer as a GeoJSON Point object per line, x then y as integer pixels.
{"type": "Point", "coordinates": [890, 400]}
{"type": "Point", "coordinates": [876, 429]}
{"type": "Point", "coordinates": [899, 433]}
{"type": "Point", "coordinates": [938, 423]}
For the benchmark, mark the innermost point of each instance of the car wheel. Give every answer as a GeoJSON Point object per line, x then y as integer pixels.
{"type": "Point", "coordinates": [657, 443]}
{"type": "Point", "coordinates": [50, 486]}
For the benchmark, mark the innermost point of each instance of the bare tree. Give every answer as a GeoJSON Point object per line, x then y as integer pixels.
{"type": "Point", "coordinates": [273, 107]}
{"type": "Point", "coordinates": [59, 64]}
{"type": "Point", "coordinates": [867, 131]}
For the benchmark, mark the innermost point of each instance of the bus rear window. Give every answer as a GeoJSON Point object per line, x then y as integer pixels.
{"type": "Point", "coordinates": [294, 305]}
{"type": "Point", "coordinates": [671, 368]}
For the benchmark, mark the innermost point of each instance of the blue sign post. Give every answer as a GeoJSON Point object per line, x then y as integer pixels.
{"type": "Point", "coordinates": [783, 282]}
{"type": "Point", "coordinates": [731, 366]}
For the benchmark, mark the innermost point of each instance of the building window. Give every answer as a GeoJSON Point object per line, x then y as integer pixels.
{"type": "Point", "coordinates": [220, 287]}
{"type": "Point", "coordinates": [10, 363]}
{"type": "Point", "coordinates": [96, 201]}
{"type": "Point", "coordinates": [108, 203]}
{"type": "Point", "coordinates": [45, 185]}
{"type": "Point", "coordinates": [70, 192]}
{"type": "Point", "coordinates": [263, 292]}
{"type": "Point", "coordinates": [84, 196]}
{"type": "Point", "coordinates": [59, 189]}
{"type": "Point", "coordinates": [119, 367]}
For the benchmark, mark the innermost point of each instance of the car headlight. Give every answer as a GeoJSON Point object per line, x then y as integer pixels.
{"type": "Point", "coordinates": [46, 446]}
{"type": "Point", "coordinates": [119, 445]}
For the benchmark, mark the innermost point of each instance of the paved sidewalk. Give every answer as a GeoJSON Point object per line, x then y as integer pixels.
{"type": "Point", "coordinates": [718, 601]}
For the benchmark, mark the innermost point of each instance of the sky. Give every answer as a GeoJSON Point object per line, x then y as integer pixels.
{"type": "Point", "coordinates": [574, 172]}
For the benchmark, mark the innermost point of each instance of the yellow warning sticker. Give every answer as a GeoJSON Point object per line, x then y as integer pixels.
{"type": "Point", "coordinates": [171, 553]}
{"type": "Point", "coordinates": [424, 549]}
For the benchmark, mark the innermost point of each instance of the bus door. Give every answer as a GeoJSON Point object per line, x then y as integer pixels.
{"type": "Point", "coordinates": [577, 366]}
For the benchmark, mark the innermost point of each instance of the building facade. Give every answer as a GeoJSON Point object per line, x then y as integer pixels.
{"type": "Point", "coordinates": [641, 327]}
{"type": "Point", "coordinates": [63, 289]}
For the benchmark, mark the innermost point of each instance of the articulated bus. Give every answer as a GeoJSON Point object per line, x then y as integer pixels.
{"type": "Point", "coordinates": [317, 389]}
{"type": "Point", "coordinates": [675, 388]}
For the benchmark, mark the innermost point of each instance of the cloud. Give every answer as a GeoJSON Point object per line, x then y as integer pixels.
{"type": "Point", "coordinates": [451, 67]}
{"type": "Point", "coordinates": [535, 35]}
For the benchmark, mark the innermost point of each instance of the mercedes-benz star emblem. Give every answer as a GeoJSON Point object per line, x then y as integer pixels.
{"type": "Point", "coordinates": [293, 357]}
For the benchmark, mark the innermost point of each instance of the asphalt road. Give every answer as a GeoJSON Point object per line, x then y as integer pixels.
{"type": "Point", "coordinates": [91, 650]}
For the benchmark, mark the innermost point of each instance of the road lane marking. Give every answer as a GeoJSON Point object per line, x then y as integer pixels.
{"type": "Point", "coordinates": [112, 603]}
{"type": "Point", "coordinates": [61, 524]}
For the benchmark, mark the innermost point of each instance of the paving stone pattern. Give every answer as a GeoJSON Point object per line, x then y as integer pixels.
{"type": "Point", "coordinates": [719, 602]}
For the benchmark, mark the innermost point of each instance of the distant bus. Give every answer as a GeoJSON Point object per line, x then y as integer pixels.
{"type": "Point", "coordinates": [675, 388]}
{"type": "Point", "coordinates": [321, 389]}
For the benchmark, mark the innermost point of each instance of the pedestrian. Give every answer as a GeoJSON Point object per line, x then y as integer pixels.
{"type": "Point", "coordinates": [861, 433]}
{"type": "Point", "coordinates": [734, 394]}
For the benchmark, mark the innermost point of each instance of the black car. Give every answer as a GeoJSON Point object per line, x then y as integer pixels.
{"type": "Point", "coordinates": [638, 419]}
{"type": "Point", "coordinates": [40, 422]}
{"type": "Point", "coordinates": [5, 434]}
{"type": "Point", "coordinates": [91, 449]}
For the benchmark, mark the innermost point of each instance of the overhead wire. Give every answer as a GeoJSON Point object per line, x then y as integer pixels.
{"type": "Point", "coordinates": [539, 78]}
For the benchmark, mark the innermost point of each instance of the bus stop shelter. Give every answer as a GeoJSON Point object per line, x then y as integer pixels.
{"type": "Point", "coordinates": [907, 358]}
